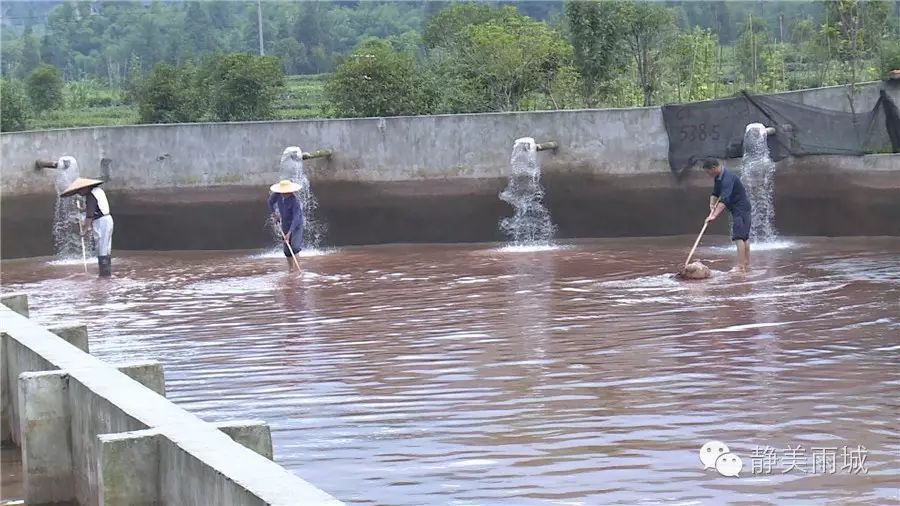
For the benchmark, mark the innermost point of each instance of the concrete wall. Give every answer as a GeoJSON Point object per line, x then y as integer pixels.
{"type": "Point", "coordinates": [406, 179]}
{"type": "Point", "coordinates": [91, 434]}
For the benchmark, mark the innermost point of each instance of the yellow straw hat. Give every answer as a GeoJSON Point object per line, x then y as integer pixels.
{"type": "Point", "coordinates": [285, 186]}
{"type": "Point", "coordinates": [79, 184]}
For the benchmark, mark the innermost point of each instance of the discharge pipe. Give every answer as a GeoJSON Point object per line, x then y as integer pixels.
{"type": "Point", "coordinates": [319, 153]}
{"type": "Point", "coordinates": [44, 164]}
{"type": "Point", "coordinates": [551, 145]}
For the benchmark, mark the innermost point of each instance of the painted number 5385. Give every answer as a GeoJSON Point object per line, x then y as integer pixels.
{"type": "Point", "coordinates": [699, 132]}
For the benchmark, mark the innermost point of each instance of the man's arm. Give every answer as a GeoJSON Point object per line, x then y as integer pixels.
{"type": "Point", "coordinates": [717, 206]}
{"type": "Point", "coordinates": [273, 200]}
{"type": "Point", "coordinates": [90, 208]}
{"type": "Point", "coordinates": [715, 210]}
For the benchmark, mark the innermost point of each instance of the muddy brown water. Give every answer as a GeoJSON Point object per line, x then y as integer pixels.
{"type": "Point", "coordinates": [469, 374]}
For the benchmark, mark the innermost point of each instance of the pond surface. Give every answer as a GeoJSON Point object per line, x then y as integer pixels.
{"type": "Point", "coordinates": [474, 374]}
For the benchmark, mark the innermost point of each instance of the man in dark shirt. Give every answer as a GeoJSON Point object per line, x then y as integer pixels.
{"type": "Point", "coordinates": [728, 193]}
{"type": "Point", "coordinates": [285, 204]}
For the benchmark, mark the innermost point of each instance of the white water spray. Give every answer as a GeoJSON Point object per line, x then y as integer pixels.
{"type": "Point", "coordinates": [313, 229]}
{"type": "Point", "coordinates": [530, 223]}
{"type": "Point", "coordinates": [758, 177]}
{"type": "Point", "coordinates": [66, 240]}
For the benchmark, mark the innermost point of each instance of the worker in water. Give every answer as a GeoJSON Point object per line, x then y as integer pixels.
{"type": "Point", "coordinates": [287, 209]}
{"type": "Point", "coordinates": [97, 219]}
{"type": "Point", "coordinates": [728, 193]}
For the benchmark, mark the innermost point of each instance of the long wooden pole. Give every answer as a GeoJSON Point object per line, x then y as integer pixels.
{"type": "Point", "coordinates": [81, 234]}
{"type": "Point", "coordinates": [288, 244]}
{"type": "Point", "coordinates": [697, 242]}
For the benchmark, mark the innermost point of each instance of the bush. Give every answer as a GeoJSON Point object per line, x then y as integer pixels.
{"type": "Point", "coordinates": [89, 93]}
{"type": "Point", "coordinates": [168, 96]}
{"type": "Point", "coordinates": [13, 106]}
{"type": "Point", "coordinates": [376, 80]}
{"type": "Point", "coordinates": [890, 59]}
{"type": "Point", "coordinates": [45, 88]}
{"type": "Point", "coordinates": [244, 87]}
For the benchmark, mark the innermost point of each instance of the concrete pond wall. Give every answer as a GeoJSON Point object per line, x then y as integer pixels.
{"type": "Point", "coordinates": [91, 433]}
{"type": "Point", "coordinates": [423, 179]}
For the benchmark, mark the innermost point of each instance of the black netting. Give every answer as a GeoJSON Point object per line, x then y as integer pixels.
{"type": "Point", "coordinates": [892, 121]}
{"type": "Point", "coordinates": [716, 128]}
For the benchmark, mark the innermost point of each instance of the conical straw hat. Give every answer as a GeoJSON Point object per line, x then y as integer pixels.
{"type": "Point", "coordinates": [78, 184]}
{"type": "Point", "coordinates": [285, 186]}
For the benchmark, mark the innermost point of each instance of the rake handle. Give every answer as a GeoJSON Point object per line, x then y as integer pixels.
{"type": "Point", "coordinates": [697, 242]}
{"type": "Point", "coordinates": [289, 247]}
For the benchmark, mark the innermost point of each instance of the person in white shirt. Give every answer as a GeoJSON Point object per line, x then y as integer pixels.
{"type": "Point", "coordinates": [97, 218]}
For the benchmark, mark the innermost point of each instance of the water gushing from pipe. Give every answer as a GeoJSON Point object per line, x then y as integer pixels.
{"type": "Point", "coordinates": [66, 240]}
{"type": "Point", "coordinates": [313, 228]}
{"type": "Point", "coordinates": [530, 223]}
{"type": "Point", "coordinates": [758, 177]}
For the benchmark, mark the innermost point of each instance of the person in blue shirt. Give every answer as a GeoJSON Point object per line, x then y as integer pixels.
{"type": "Point", "coordinates": [728, 193]}
{"type": "Point", "coordinates": [284, 204]}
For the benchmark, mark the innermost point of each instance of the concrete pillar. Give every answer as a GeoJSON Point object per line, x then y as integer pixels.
{"type": "Point", "coordinates": [129, 468]}
{"type": "Point", "coordinates": [252, 434]}
{"type": "Point", "coordinates": [5, 397]}
{"type": "Point", "coordinates": [149, 374]}
{"type": "Point", "coordinates": [18, 302]}
{"type": "Point", "coordinates": [45, 431]}
{"type": "Point", "coordinates": [76, 335]}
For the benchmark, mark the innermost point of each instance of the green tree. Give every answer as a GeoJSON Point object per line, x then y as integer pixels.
{"type": "Point", "coordinates": [45, 88]}
{"type": "Point", "coordinates": [594, 29]}
{"type": "Point", "coordinates": [292, 54]}
{"type": "Point", "coordinates": [245, 87]}
{"type": "Point", "coordinates": [647, 29]}
{"type": "Point", "coordinates": [133, 80]}
{"type": "Point", "coordinates": [168, 96]}
{"type": "Point", "coordinates": [31, 56]}
{"type": "Point", "coordinates": [13, 106]}
{"type": "Point", "coordinates": [565, 90]}
{"type": "Point", "coordinates": [377, 80]}
{"type": "Point", "coordinates": [773, 75]}
{"type": "Point", "coordinates": [891, 58]}
{"type": "Point", "coordinates": [753, 41]}
{"type": "Point", "coordinates": [854, 30]}
{"type": "Point", "coordinates": [512, 59]}
{"type": "Point", "coordinates": [693, 62]}
{"type": "Point", "coordinates": [446, 26]}
{"type": "Point", "coordinates": [10, 53]}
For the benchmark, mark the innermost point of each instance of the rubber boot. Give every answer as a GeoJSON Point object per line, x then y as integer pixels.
{"type": "Point", "coordinates": [105, 264]}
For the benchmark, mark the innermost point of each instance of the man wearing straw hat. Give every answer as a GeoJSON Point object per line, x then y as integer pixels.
{"type": "Point", "coordinates": [284, 203]}
{"type": "Point", "coordinates": [96, 219]}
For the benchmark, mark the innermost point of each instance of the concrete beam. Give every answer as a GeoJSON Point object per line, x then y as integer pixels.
{"type": "Point", "coordinates": [74, 334]}
{"type": "Point", "coordinates": [253, 434]}
{"type": "Point", "coordinates": [149, 373]}
{"type": "Point", "coordinates": [45, 422]}
{"type": "Point", "coordinates": [5, 397]}
{"type": "Point", "coordinates": [18, 302]}
{"type": "Point", "coordinates": [129, 468]}
{"type": "Point", "coordinates": [196, 464]}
